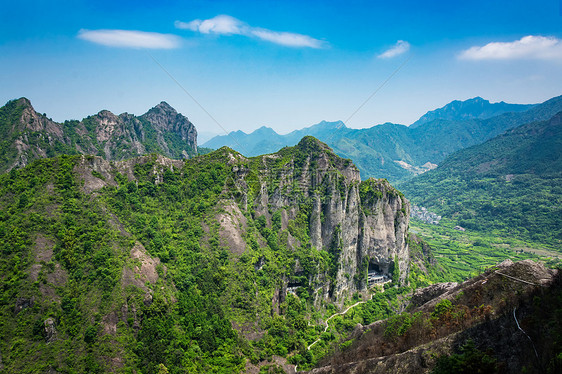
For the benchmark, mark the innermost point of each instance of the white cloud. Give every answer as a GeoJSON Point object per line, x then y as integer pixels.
{"type": "Point", "coordinates": [130, 39]}
{"type": "Point", "coordinates": [221, 24]}
{"type": "Point", "coordinates": [528, 47]}
{"type": "Point", "coordinates": [399, 48]}
{"type": "Point", "coordinates": [227, 25]}
{"type": "Point", "coordinates": [287, 39]}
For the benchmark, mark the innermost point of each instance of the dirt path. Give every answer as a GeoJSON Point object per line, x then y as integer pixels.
{"type": "Point", "coordinates": [334, 315]}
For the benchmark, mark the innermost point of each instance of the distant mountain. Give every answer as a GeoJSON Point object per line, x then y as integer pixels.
{"type": "Point", "coordinates": [28, 135]}
{"type": "Point", "coordinates": [398, 152]}
{"type": "Point", "coordinates": [511, 183]}
{"type": "Point", "coordinates": [204, 136]}
{"type": "Point", "coordinates": [265, 140]}
{"type": "Point", "coordinates": [476, 108]}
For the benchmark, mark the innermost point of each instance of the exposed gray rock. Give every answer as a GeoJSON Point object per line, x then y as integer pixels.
{"type": "Point", "coordinates": [50, 330]}
{"type": "Point", "coordinates": [360, 232]}
{"type": "Point", "coordinates": [114, 137]}
{"type": "Point", "coordinates": [166, 119]}
{"type": "Point", "coordinates": [423, 295]}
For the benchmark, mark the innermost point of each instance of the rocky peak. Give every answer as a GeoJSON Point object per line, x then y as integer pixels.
{"type": "Point", "coordinates": [31, 120]}
{"type": "Point", "coordinates": [106, 114]}
{"type": "Point", "coordinates": [162, 113]}
{"type": "Point", "coordinates": [164, 118]}
{"type": "Point", "coordinates": [475, 100]}
{"type": "Point", "coordinates": [164, 106]}
{"type": "Point", "coordinates": [107, 123]}
{"type": "Point", "coordinates": [324, 158]}
{"type": "Point", "coordinates": [24, 101]}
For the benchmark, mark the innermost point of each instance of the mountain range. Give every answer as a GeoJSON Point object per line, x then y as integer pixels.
{"type": "Point", "coordinates": [390, 151]}
{"type": "Point", "coordinates": [28, 135]}
{"type": "Point", "coordinates": [398, 152]}
{"type": "Point", "coordinates": [475, 108]}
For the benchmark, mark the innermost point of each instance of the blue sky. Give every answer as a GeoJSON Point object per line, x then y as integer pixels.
{"type": "Point", "coordinates": [283, 64]}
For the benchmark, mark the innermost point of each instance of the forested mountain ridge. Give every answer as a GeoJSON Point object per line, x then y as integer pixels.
{"type": "Point", "coordinates": [398, 152]}
{"type": "Point", "coordinates": [475, 108]}
{"type": "Point", "coordinates": [28, 135]}
{"type": "Point", "coordinates": [511, 183]}
{"type": "Point", "coordinates": [214, 263]}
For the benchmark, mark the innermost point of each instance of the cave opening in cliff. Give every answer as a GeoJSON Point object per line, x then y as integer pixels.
{"type": "Point", "coordinates": [374, 268]}
{"type": "Point", "coordinates": [376, 274]}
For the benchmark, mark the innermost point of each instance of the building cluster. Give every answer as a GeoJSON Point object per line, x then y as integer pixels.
{"type": "Point", "coordinates": [421, 213]}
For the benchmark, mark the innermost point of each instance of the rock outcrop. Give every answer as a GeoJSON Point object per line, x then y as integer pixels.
{"type": "Point", "coordinates": [423, 295]}
{"type": "Point", "coordinates": [50, 330]}
{"type": "Point", "coordinates": [487, 312]}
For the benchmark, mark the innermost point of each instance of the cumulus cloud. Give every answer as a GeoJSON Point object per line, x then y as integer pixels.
{"type": "Point", "coordinates": [399, 48]}
{"type": "Point", "coordinates": [130, 39]}
{"type": "Point", "coordinates": [227, 25]}
{"type": "Point", "coordinates": [528, 47]}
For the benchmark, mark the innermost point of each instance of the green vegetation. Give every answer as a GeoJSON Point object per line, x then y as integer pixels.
{"type": "Point", "coordinates": [508, 186]}
{"type": "Point", "coordinates": [82, 260]}
{"type": "Point", "coordinates": [142, 276]}
{"type": "Point", "coordinates": [462, 255]}
{"type": "Point", "coordinates": [470, 360]}
{"type": "Point", "coordinates": [60, 260]}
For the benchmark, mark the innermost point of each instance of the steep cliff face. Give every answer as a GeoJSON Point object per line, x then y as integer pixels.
{"type": "Point", "coordinates": [362, 225]}
{"type": "Point", "coordinates": [30, 135]}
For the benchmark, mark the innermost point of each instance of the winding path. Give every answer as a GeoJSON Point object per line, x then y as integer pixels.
{"type": "Point", "coordinates": [334, 315]}
{"type": "Point", "coordinates": [326, 322]}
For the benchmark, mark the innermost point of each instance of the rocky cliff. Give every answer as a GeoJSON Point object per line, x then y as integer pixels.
{"type": "Point", "coordinates": [362, 225]}
{"type": "Point", "coordinates": [29, 135]}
